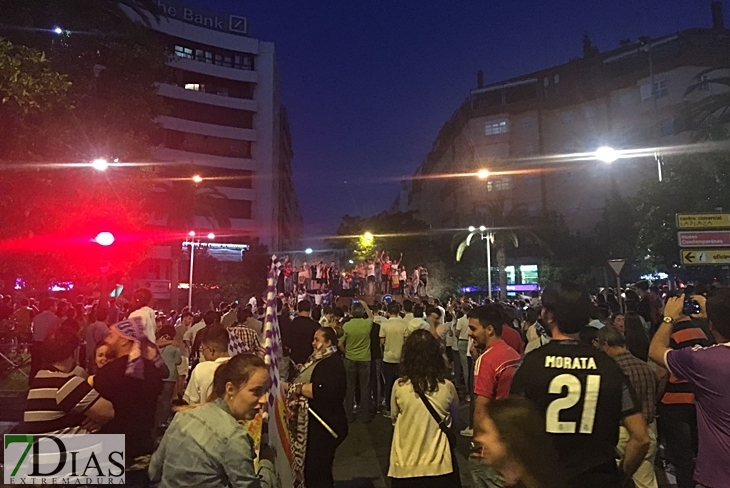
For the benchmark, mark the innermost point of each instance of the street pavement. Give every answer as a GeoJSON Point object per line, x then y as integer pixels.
{"type": "Point", "coordinates": [362, 459]}
{"type": "Point", "coordinates": [360, 462]}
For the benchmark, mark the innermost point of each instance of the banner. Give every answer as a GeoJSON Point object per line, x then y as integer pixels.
{"type": "Point", "coordinates": [278, 432]}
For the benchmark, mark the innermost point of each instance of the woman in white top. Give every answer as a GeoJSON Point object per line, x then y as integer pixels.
{"type": "Point", "coordinates": [420, 455]}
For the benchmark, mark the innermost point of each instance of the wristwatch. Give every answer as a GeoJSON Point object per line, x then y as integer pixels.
{"type": "Point", "coordinates": [668, 320]}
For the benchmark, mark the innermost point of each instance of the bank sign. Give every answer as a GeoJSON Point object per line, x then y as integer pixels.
{"type": "Point", "coordinates": [233, 24]}
{"type": "Point", "coordinates": [64, 459]}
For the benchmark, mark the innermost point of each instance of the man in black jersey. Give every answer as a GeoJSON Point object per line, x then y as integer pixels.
{"type": "Point", "coordinates": [584, 395]}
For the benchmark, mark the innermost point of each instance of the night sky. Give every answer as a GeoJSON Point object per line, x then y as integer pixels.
{"type": "Point", "coordinates": [368, 84]}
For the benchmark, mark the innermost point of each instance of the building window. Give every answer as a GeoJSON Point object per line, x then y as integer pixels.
{"type": "Point", "coordinates": [529, 273]}
{"type": "Point", "coordinates": [556, 79]}
{"type": "Point", "coordinates": [192, 86]}
{"type": "Point", "coordinates": [666, 127]}
{"type": "Point", "coordinates": [499, 184]}
{"type": "Point", "coordinates": [215, 146]}
{"type": "Point", "coordinates": [209, 55]}
{"type": "Point", "coordinates": [183, 52]}
{"type": "Point", "coordinates": [659, 90]}
{"type": "Point", "coordinates": [704, 84]}
{"type": "Point", "coordinates": [495, 128]}
{"type": "Point", "coordinates": [626, 100]}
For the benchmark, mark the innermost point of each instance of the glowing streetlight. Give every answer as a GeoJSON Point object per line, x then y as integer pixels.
{"type": "Point", "coordinates": [191, 233]}
{"type": "Point", "coordinates": [351, 261]}
{"type": "Point", "coordinates": [211, 235]}
{"type": "Point", "coordinates": [57, 30]}
{"type": "Point", "coordinates": [482, 228]}
{"type": "Point", "coordinates": [104, 239]}
{"type": "Point", "coordinates": [197, 179]}
{"type": "Point", "coordinates": [483, 174]}
{"type": "Point", "coordinates": [368, 236]}
{"type": "Point", "coordinates": [606, 154]}
{"type": "Point", "coordinates": [472, 228]}
{"type": "Point", "coordinates": [308, 250]}
{"type": "Point", "coordinates": [100, 164]}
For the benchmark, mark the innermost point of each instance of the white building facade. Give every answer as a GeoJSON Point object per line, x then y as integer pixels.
{"type": "Point", "coordinates": [225, 123]}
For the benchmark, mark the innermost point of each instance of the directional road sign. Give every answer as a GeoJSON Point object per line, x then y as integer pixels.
{"type": "Point", "coordinates": [704, 238]}
{"type": "Point", "coordinates": [703, 221]}
{"type": "Point", "coordinates": [700, 257]}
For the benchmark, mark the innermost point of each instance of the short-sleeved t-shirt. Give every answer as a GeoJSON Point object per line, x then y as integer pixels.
{"type": "Point", "coordinates": [685, 334]}
{"type": "Point", "coordinates": [494, 370]}
{"type": "Point", "coordinates": [357, 339]}
{"type": "Point", "coordinates": [708, 370]}
{"type": "Point", "coordinates": [57, 402]}
{"type": "Point", "coordinates": [584, 395]}
{"type": "Point", "coordinates": [513, 339]}
{"type": "Point", "coordinates": [393, 331]}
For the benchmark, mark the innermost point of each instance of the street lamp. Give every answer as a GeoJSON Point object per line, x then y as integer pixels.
{"type": "Point", "coordinates": [57, 30]}
{"type": "Point", "coordinates": [197, 179]}
{"type": "Point", "coordinates": [489, 237]}
{"type": "Point", "coordinates": [368, 237]}
{"type": "Point", "coordinates": [308, 250]}
{"type": "Point", "coordinates": [104, 239]}
{"type": "Point", "coordinates": [191, 242]}
{"type": "Point", "coordinates": [483, 174]}
{"type": "Point", "coordinates": [606, 154]}
{"type": "Point", "coordinates": [100, 164]}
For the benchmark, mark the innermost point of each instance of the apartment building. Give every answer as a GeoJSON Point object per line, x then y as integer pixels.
{"type": "Point", "coordinates": [627, 98]}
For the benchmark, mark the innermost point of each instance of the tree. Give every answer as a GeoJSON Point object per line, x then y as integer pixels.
{"type": "Point", "coordinates": [503, 228]}
{"type": "Point", "coordinates": [111, 104]}
{"type": "Point", "coordinates": [710, 116]}
{"type": "Point", "coordinates": [28, 83]}
{"type": "Point", "coordinates": [181, 201]}
{"type": "Point", "coordinates": [692, 183]}
{"type": "Point", "coordinates": [48, 239]}
{"type": "Point", "coordinates": [393, 232]}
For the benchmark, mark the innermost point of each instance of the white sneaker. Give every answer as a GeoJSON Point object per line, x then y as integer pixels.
{"type": "Point", "coordinates": [468, 432]}
{"type": "Point", "coordinates": [386, 414]}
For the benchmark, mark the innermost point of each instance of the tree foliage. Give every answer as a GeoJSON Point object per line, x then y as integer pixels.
{"type": "Point", "coordinates": [693, 183]}
{"type": "Point", "coordinates": [28, 83]}
{"type": "Point", "coordinates": [71, 98]}
{"type": "Point", "coordinates": [393, 232]}
{"type": "Point", "coordinates": [110, 103]}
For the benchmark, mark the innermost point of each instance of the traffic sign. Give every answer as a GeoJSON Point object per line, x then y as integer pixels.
{"type": "Point", "coordinates": [616, 265]}
{"type": "Point", "coordinates": [703, 221]}
{"type": "Point", "coordinates": [704, 257]}
{"type": "Point", "coordinates": [704, 238]}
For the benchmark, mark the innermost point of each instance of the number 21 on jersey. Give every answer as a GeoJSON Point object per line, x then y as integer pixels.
{"type": "Point", "coordinates": [576, 393]}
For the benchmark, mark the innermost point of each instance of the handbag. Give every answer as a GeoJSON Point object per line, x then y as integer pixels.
{"type": "Point", "coordinates": [450, 435]}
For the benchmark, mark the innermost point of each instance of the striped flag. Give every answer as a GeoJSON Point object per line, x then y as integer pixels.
{"type": "Point", "coordinates": [275, 411]}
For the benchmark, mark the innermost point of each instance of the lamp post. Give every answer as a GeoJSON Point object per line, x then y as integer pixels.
{"type": "Point", "coordinates": [104, 239]}
{"type": "Point", "coordinates": [486, 236]}
{"type": "Point", "coordinates": [191, 241]}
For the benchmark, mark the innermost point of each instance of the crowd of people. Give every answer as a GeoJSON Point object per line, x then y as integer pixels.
{"type": "Point", "coordinates": [378, 275]}
{"type": "Point", "coordinates": [564, 389]}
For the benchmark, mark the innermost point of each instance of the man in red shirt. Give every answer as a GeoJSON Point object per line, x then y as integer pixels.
{"type": "Point", "coordinates": [512, 338]}
{"type": "Point", "coordinates": [493, 373]}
